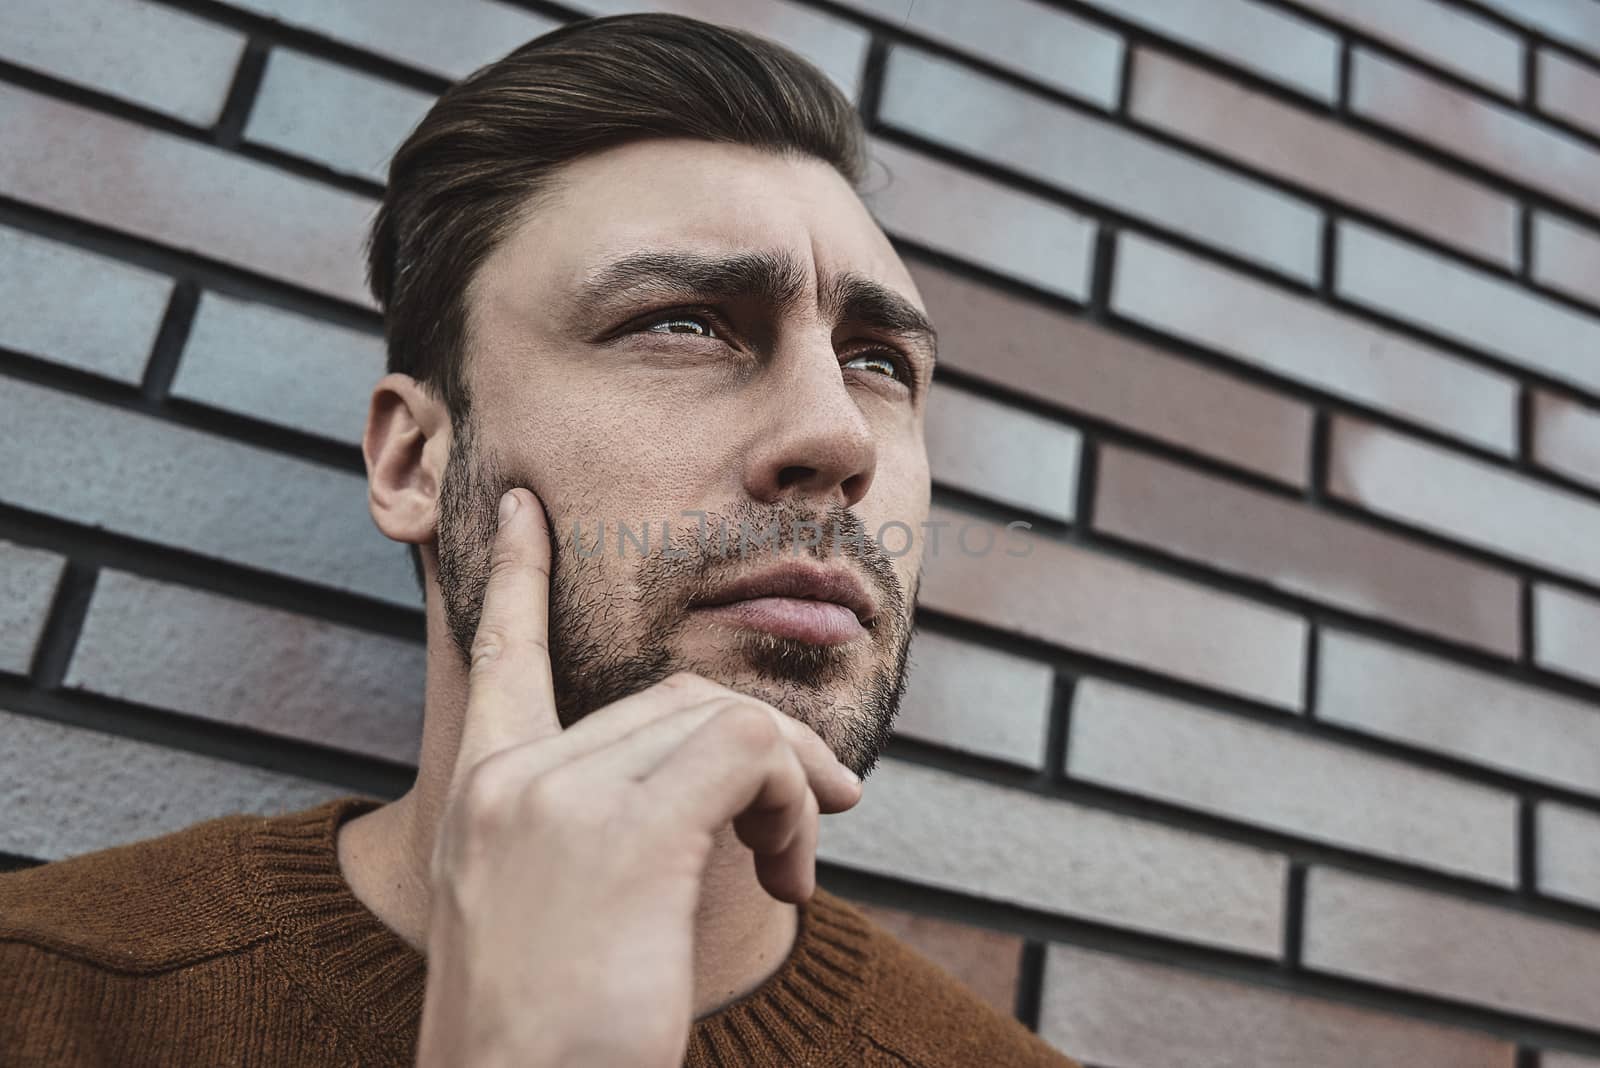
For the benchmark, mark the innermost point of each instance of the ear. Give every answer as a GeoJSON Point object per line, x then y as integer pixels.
{"type": "Point", "coordinates": [406, 445]}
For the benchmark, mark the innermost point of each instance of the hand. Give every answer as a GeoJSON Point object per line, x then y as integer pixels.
{"type": "Point", "coordinates": [567, 867]}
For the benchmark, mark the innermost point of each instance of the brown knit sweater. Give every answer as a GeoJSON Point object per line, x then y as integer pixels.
{"type": "Point", "coordinates": [238, 942]}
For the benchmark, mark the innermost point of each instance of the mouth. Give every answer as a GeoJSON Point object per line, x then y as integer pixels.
{"type": "Point", "coordinates": [822, 606]}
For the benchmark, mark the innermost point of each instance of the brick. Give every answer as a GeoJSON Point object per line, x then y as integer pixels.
{"type": "Point", "coordinates": [263, 668]}
{"type": "Point", "coordinates": [1449, 37]}
{"type": "Point", "coordinates": [1306, 551]}
{"type": "Point", "coordinates": [148, 54]}
{"type": "Point", "coordinates": [280, 367]}
{"type": "Point", "coordinates": [1566, 257]}
{"type": "Point", "coordinates": [1460, 712]}
{"type": "Point", "coordinates": [183, 194]}
{"type": "Point", "coordinates": [330, 114]}
{"type": "Point", "coordinates": [141, 477]}
{"type": "Point", "coordinates": [1429, 943]}
{"type": "Point", "coordinates": [1323, 156]}
{"type": "Point", "coordinates": [1566, 436]}
{"type": "Point", "coordinates": [1465, 305]}
{"type": "Point", "coordinates": [1552, 1059]}
{"type": "Point", "coordinates": [448, 41]}
{"type": "Point", "coordinates": [837, 47]}
{"type": "Point", "coordinates": [1564, 626]}
{"type": "Point", "coordinates": [1309, 343]}
{"type": "Point", "coordinates": [959, 108]}
{"type": "Point", "coordinates": [976, 699]}
{"type": "Point", "coordinates": [78, 308]}
{"type": "Point", "coordinates": [28, 581]}
{"type": "Point", "coordinates": [1003, 453]}
{"type": "Point", "coordinates": [1278, 47]}
{"type": "Point", "coordinates": [1569, 90]}
{"type": "Point", "coordinates": [1575, 24]}
{"type": "Point", "coordinates": [1086, 368]}
{"type": "Point", "coordinates": [1136, 1014]}
{"type": "Point", "coordinates": [1084, 600]}
{"type": "Point", "coordinates": [1569, 853]}
{"type": "Point", "coordinates": [66, 790]}
{"type": "Point", "coordinates": [951, 210]}
{"type": "Point", "coordinates": [1290, 782]}
{"type": "Point", "coordinates": [1491, 135]}
{"type": "Point", "coordinates": [986, 962]}
{"type": "Point", "coordinates": [1464, 499]}
{"type": "Point", "coordinates": [945, 830]}
{"type": "Point", "coordinates": [1050, 46]}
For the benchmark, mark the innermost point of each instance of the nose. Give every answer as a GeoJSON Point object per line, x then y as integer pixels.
{"type": "Point", "coordinates": [812, 439]}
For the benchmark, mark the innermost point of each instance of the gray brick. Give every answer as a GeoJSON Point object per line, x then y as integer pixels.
{"type": "Point", "coordinates": [450, 40]}
{"type": "Point", "coordinates": [1569, 853]}
{"type": "Point", "coordinates": [1491, 135]}
{"type": "Point", "coordinates": [1569, 90]}
{"type": "Point", "coordinates": [1082, 366]}
{"type": "Point", "coordinates": [1472, 307]}
{"type": "Point", "coordinates": [146, 53]}
{"type": "Point", "coordinates": [942, 829]}
{"type": "Point", "coordinates": [1575, 24]}
{"type": "Point", "coordinates": [28, 581]}
{"type": "Point", "coordinates": [1290, 782]}
{"type": "Point", "coordinates": [1309, 343]}
{"type": "Point", "coordinates": [66, 791]}
{"type": "Point", "coordinates": [330, 114]}
{"type": "Point", "coordinates": [1566, 257]}
{"type": "Point", "coordinates": [1429, 943]}
{"type": "Point", "coordinates": [1564, 626]}
{"type": "Point", "coordinates": [280, 367]}
{"type": "Point", "coordinates": [1452, 38]}
{"type": "Point", "coordinates": [180, 193]}
{"type": "Point", "coordinates": [1135, 1014]}
{"type": "Point", "coordinates": [138, 476]}
{"type": "Point", "coordinates": [1552, 1059]}
{"type": "Point", "coordinates": [263, 668]}
{"type": "Point", "coordinates": [1322, 155]}
{"type": "Point", "coordinates": [1457, 711]}
{"type": "Point", "coordinates": [1467, 500]}
{"type": "Point", "coordinates": [1003, 453]}
{"type": "Point", "coordinates": [983, 222]}
{"type": "Point", "coordinates": [1095, 604]}
{"type": "Point", "coordinates": [953, 105]}
{"type": "Point", "coordinates": [1566, 436]}
{"type": "Point", "coordinates": [976, 699]}
{"type": "Point", "coordinates": [1261, 39]}
{"type": "Point", "coordinates": [78, 308]}
{"type": "Point", "coordinates": [1050, 46]}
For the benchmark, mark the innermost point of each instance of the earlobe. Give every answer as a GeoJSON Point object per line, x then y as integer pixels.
{"type": "Point", "coordinates": [405, 446]}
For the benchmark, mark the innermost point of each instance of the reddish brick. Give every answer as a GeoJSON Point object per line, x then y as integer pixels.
{"type": "Point", "coordinates": [1323, 156]}
{"type": "Point", "coordinates": [1569, 853]}
{"type": "Point", "coordinates": [1449, 37]}
{"type": "Point", "coordinates": [1429, 943]}
{"type": "Point", "coordinates": [1491, 135]}
{"type": "Point", "coordinates": [1083, 367]}
{"type": "Point", "coordinates": [984, 961]}
{"type": "Point", "coordinates": [1309, 343]}
{"type": "Point", "coordinates": [1471, 501]}
{"type": "Point", "coordinates": [1461, 712]}
{"type": "Point", "coordinates": [976, 699]}
{"type": "Point", "coordinates": [1136, 1014]}
{"type": "Point", "coordinates": [1566, 436]}
{"type": "Point", "coordinates": [953, 105]}
{"type": "Point", "coordinates": [1564, 626]}
{"type": "Point", "coordinates": [1306, 551]}
{"type": "Point", "coordinates": [1569, 90]}
{"type": "Point", "coordinates": [1566, 257]}
{"type": "Point", "coordinates": [1084, 600]}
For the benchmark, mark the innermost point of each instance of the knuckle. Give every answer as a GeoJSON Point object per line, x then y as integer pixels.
{"type": "Point", "coordinates": [750, 724]}
{"type": "Point", "coordinates": [687, 683]}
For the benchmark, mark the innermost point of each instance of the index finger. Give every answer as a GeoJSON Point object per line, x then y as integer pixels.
{"type": "Point", "coordinates": [510, 687]}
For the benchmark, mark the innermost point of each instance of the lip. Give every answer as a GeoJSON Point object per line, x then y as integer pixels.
{"type": "Point", "coordinates": [801, 582]}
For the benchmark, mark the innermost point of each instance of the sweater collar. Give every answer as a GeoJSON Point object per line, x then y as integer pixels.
{"type": "Point", "coordinates": [371, 981]}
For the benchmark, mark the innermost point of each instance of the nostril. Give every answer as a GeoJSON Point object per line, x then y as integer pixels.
{"type": "Point", "coordinates": [791, 475]}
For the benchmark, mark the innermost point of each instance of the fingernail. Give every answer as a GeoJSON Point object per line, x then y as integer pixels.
{"type": "Point", "coordinates": [508, 506]}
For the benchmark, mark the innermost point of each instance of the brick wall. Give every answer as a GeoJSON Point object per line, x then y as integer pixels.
{"type": "Point", "coordinates": [1278, 319]}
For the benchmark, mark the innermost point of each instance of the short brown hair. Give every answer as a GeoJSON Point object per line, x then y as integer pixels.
{"type": "Point", "coordinates": [488, 148]}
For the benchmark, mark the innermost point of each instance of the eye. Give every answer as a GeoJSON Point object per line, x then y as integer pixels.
{"type": "Point", "coordinates": [884, 362]}
{"type": "Point", "coordinates": [681, 324]}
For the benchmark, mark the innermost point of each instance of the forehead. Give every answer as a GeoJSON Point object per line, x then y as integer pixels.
{"type": "Point", "coordinates": [686, 194]}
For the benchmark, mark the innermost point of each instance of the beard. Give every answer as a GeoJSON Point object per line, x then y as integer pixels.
{"type": "Point", "coordinates": [610, 638]}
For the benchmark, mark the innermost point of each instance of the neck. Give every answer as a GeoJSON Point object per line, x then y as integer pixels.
{"type": "Point", "coordinates": [742, 934]}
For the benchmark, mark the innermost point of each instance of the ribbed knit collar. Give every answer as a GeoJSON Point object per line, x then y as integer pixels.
{"type": "Point", "coordinates": [370, 981]}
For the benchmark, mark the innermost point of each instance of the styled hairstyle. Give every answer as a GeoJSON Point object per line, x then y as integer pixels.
{"type": "Point", "coordinates": [489, 148]}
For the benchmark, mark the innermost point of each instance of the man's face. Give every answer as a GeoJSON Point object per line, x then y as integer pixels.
{"type": "Point", "coordinates": [703, 359]}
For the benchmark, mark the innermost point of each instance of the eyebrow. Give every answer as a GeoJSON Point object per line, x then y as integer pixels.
{"type": "Point", "coordinates": [775, 278]}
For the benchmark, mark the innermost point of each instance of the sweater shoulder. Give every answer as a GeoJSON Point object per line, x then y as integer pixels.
{"type": "Point", "coordinates": [921, 1015]}
{"type": "Point", "coordinates": [157, 903]}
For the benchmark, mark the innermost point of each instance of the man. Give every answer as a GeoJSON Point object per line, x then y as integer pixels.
{"type": "Point", "coordinates": [657, 382]}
